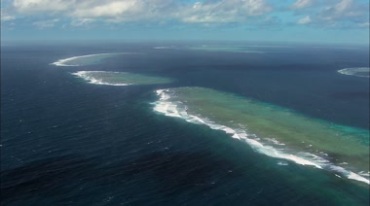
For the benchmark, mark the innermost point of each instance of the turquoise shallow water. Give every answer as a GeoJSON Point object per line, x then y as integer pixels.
{"type": "Point", "coordinates": [65, 141]}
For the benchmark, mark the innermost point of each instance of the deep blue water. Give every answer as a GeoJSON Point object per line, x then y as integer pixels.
{"type": "Point", "coordinates": [65, 142]}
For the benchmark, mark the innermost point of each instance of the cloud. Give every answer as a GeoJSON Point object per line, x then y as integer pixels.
{"type": "Point", "coordinates": [81, 22]}
{"type": "Point", "coordinates": [321, 13]}
{"type": "Point", "coordinates": [299, 4]}
{"type": "Point", "coordinates": [125, 10]}
{"type": "Point", "coordinates": [110, 9]}
{"type": "Point", "coordinates": [6, 17]}
{"type": "Point", "coordinates": [345, 13]}
{"type": "Point", "coordinates": [343, 5]}
{"type": "Point", "coordinates": [31, 6]}
{"type": "Point", "coordinates": [364, 25]}
{"type": "Point", "coordinates": [6, 14]}
{"type": "Point", "coordinates": [46, 24]}
{"type": "Point", "coordinates": [343, 9]}
{"type": "Point", "coordinates": [332, 13]}
{"type": "Point", "coordinates": [223, 11]}
{"type": "Point", "coordinates": [304, 20]}
{"type": "Point", "coordinates": [219, 11]}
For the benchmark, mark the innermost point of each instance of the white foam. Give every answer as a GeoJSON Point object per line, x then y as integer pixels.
{"type": "Point", "coordinates": [63, 62]}
{"type": "Point", "coordinates": [94, 80]}
{"type": "Point", "coordinates": [349, 174]}
{"type": "Point", "coordinates": [356, 71]}
{"type": "Point", "coordinates": [282, 163]}
{"type": "Point", "coordinates": [275, 141]}
{"type": "Point", "coordinates": [363, 173]}
{"type": "Point", "coordinates": [68, 62]}
{"type": "Point", "coordinates": [338, 176]}
{"type": "Point", "coordinates": [176, 109]}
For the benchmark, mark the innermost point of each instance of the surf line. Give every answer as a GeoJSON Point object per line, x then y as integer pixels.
{"type": "Point", "coordinates": [174, 109]}
{"type": "Point", "coordinates": [86, 59]}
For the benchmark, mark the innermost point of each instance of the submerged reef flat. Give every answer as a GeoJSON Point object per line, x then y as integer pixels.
{"type": "Point", "coordinates": [272, 130]}
{"type": "Point", "coordinates": [119, 78]}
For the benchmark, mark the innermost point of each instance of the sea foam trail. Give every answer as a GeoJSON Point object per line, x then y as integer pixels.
{"type": "Point", "coordinates": [358, 71]}
{"type": "Point", "coordinates": [84, 59]}
{"type": "Point", "coordinates": [177, 109]}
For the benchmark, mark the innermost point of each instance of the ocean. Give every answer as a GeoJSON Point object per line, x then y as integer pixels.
{"type": "Point", "coordinates": [186, 123]}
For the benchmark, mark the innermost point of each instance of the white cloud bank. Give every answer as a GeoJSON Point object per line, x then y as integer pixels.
{"type": "Point", "coordinates": [333, 13]}
{"type": "Point", "coordinates": [136, 10]}
{"type": "Point", "coordinates": [223, 11]}
{"type": "Point", "coordinates": [30, 6]}
{"type": "Point", "coordinates": [80, 12]}
{"type": "Point", "coordinates": [345, 9]}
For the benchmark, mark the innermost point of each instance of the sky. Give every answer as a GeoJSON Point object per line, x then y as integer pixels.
{"type": "Point", "coordinates": [321, 21]}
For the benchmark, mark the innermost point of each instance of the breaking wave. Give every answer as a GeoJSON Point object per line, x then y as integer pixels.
{"type": "Point", "coordinates": [166, 106]}
{"type": "Point", "coordinates": [85, 59]}
{"type": "Point", "coordinates": [119, 78]}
